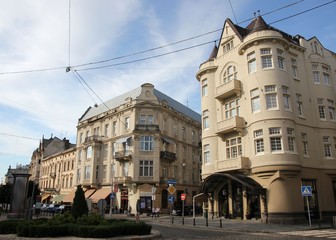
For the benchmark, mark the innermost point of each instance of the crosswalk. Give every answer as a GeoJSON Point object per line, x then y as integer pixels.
{"type": "Point", "coordinates": [325, 234]}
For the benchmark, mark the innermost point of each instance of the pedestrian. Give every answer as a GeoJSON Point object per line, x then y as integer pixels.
{"type": "Point", "coordinates": [157, 212]}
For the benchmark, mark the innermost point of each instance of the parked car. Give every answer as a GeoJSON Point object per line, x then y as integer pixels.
{"type": "Point", "coordinates": [188, 210]}
{"type": "Point", "coordinates": [63, 209]}
{"type": "Point", "coordinates": [52, 208]}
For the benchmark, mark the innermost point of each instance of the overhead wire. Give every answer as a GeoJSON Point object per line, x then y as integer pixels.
{"type": "Point", "coordinates": [234, 15]}
{"type": "Point", "coordinates": [69, 47]}
{"type": "Point", "coordinates": [160, 47]}
{"type": "Point", "coordinates": [18, 136]}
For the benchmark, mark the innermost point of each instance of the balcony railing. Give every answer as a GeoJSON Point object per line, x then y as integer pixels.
{"type": "Point", "coordinates": [147, 127]}
{"type": "Point", "coordinates": [93, 138]}
{"type": "Point", "coordinates": [228, 89]}
{"type": "Point", "coordinates": [235, 123]}
{"type": "Point", "coordinates": [123, 155]}
{"type": "Point", "coordinates": [238, 163]}
{"type": "Point", "coordinates": [122, 180]}
{"type": "Point", "coordinates": [168, 155]}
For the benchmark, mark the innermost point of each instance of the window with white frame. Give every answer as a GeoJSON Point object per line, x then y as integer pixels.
{"type": "Point", "coordinates": [89, 152]}
{"type": "Point", "coordinates": [251, 62]}
{"type": "Point", "coordinates": [266, 58]}
{"type": "Point", "coordinates": [327, 146]}
{"type": "Point", "coordinates": [146, 168]}
{"type": "Point", "coordinates": [230, 74]}
{"type": "Point", "coordinates": [275, 139]}
{"type": "Point", "coordinates": [294, 68]}
{"type": "Point", "coordinates": [233, 147]}
{"type": "Point", "coordinates": [228, 46]}
{"type": "Point", "coordinates": [326, 75]}
{"type": "Point", "coordinates": [321, 108]}
{"type": "Point", "coordinates": [204, 87]}
{"type": "Point", "coordinates": [255, 100]}
{"type": "Point", "coordinates": [291, 139]}
{"type": "Point", "coordinates": [299, 104]}
{"type": "Point", "coordinates": [105, 151]}
{"type": "Point", "coordinates": [146, 119]}
{"type": "Point", "coordinates": [258, 141]}
{"type": "Point", "coordinates": [281, 59]}
{"type": "Point", "coordinates": [286, 97]}
{"type": "Point", "coordinates": [271, 97]}
{"type": "Point", "coordinates": [106, 130]}
{"type": "Point", "coordinates": [205, 119]}
{"type": "Point", "coordinates": [331, 110]}
{"type": "Point", "coordinates": [127, 123]}
{"type": "Point", "coordinates": [232, 109]}
{"type": "Point", "coordinates": [304, 143]}
{"type": "Point", "coordinates": [114, 148]}
{"type": "Point", "coordinates": [87, 173]}
{"type": "Point", "coordinates": [206, 153]}
{"type": "Point", "coordinates": [146, 143]}
{"type": "Point", "coordinates": [316, 74]}
{"type": "Point", "coordinates": [114, 128]}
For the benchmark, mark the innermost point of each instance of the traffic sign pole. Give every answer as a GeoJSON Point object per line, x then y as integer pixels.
{"type": "Point", "coordinates": [308, 211]}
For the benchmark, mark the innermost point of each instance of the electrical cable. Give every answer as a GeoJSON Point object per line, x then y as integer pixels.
{"type": "Point", "coordinates": [69, 33]}
{"type": "Point", "coordinates": [17, 136]}
{"type": "Point", "coordinates": [233, 12]}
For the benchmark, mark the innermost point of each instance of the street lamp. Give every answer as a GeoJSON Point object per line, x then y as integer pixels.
{"type": "Point", "coordinates": [112, 190]}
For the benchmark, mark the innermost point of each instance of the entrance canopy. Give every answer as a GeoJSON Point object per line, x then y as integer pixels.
{"type": "Point", "coordinates": [216, 180]}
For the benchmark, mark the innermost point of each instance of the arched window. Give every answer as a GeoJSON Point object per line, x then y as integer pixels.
{"type": "Point", "coordinates": [230, 74]}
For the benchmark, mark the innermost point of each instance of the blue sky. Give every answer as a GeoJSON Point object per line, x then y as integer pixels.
{"type": "Point", "coordinates": [35, 35]}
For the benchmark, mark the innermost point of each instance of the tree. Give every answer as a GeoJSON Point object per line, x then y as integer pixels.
{"type": "Point", "coordinates": [5, 194]}
{"type": "Point", "coordinates": [36, 191]}
{"type": "Point", "coordinates": [79, 206]}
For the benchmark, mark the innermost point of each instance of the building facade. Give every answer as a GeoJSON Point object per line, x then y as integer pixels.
{"type": "Point", "coordinates": [132, 145]}
{"type": "Point", "coordinates": [268, 125]}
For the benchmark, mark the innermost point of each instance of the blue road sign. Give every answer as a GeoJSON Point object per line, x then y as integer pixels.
{"type": "Point", "coordinates": [306, 191]}
{"type": "Point", "coordinates": [171, 199]}
{"type": "Point", "coordinates": [171, 181]}
{"type": "Point", "coordinates": [112, 195]}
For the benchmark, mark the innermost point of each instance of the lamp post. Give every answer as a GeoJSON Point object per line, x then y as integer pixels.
{"type": "Point", "coordinates": [112, 190]}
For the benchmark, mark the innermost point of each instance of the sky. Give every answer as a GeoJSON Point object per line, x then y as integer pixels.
{"type": "Point", "coordinates": [111, 47]}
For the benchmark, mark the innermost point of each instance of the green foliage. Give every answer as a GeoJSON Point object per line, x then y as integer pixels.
{"type": "Point", "coordinates": [92, 226]}
{"type": "Point", "coordinates": [5, 193]}
{"type": "Point", "coordinates": [79, 206]}
{"type": "Point", "coordinates": [8, 226]}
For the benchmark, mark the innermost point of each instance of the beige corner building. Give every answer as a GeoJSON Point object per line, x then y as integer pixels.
{"type": "Point", "coordinates": [269, 125]}
{"type": "Point", "coordinates": [133, 146]}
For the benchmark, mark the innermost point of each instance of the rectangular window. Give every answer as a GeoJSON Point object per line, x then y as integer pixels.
{"type": "Point", "coordinates": [286, 99]}
{"type": "Point", "coordinates": [251, 62]}
{"type": "Point", "coordinates": [205, 119]}
{"type": "Point", "coordinates": [87, 172]}
{"type": "Point", "coordinates": [316, 74]}
{"type": "Point", "coordinates": [291, 139]}
{"type": "Point", "coordinates": [255, 100]}
{"type": "Point", "coordinates": [275, 139]}
{"type": "Point", "coordinates": [271, 97]}
{"type": "Point", "coordinates": [281, 60]}
{"type": "Point", "coordinates": [266, 58]}
{"type": "Point", "coordinates": [294, 68]}
{"type": "Point", "coordinates": [127, 123]}
{"type": "Point", "coordinates": [304, 143]}
{"type": "Point", "coordinates": [165, 124]}
{"type": "Point", "coordinates": [326, 75]}
{"type": "Point", "coordinates": [232, 109]}
{"type": "Point", "coordinates": [146, 168]}
{"type": "Point", "coordinates": [89, 152]}
{"type": "Point", "coordinates": [331, 110]}
{"type": "Point", "coordinates": [150, 119]}
{"type": "Point", "coordinates": [299, 104]}
{"type": "Point", "coordinates": [233, 148]}
{"type": "Point", "coordinates": [204, 87]}
{"type": "Point", "coordinates": [114, 128]}
{"type": "Point", "coordinates": [146, 143]}
{"type": "Point", "coordinates": [327, 146]}
{"type": "Point", "coordinates": [321, 108]}
{"type": "Point", "coordinates": [206, 153]}
{"type": "Point", "coordinates": [106, 130]}
{"type": "Point", "coordinates": [142, 120]}
{"type": "Point", "coordinates": [258, 141]}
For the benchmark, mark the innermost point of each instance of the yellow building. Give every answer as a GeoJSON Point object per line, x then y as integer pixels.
{"type": "Point", "coordinates": [133, 144]}
{"type": "Point", "coordinates": [268, 125]}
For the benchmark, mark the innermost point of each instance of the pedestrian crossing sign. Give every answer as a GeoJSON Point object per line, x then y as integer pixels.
{"type": "Point", "coordinates": [306, 191]}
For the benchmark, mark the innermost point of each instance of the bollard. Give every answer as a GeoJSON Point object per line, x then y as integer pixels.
{"type": "Point", "coordinates": [206, 218]}
{"type": "Point", "coordinates": [172, 220]}
{"type": "Point", "coordinates": [182, 220]}
{"type": "Point", "coordinates": [194, 221]}
{"type": "Point", "coordinates": [220, 223]}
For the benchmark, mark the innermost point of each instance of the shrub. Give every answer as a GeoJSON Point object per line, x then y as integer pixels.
{"type": "Point", "coordinates": [133, 228]}
{"type": "Point", "coordinates": [8, 226]}
{"type": "Point", "coordinates": [79, 206]}
{"type": "Point", "coordinates": [91, 220]}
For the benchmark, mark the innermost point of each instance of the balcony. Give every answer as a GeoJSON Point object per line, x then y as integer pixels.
{"type": "Point", "coordinates": [94, 138]}
{"type": "Point", "coordinates": [238, 163]}
{"type": "Point", "coordinates": [147, 127]}
{"type": "Point", "coordinates": [234, 124]}
{"type": "Point", "coordinates": [125, 155]}
{"type": "Point", "coordinates": [122, 180]}
{"type": "Point", "coordinates": [228, 89]}
{"type": "Point", "coordinates": [170, 156]}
